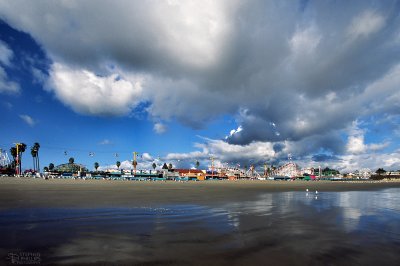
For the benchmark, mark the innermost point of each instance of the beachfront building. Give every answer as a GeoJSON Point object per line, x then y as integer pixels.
{"type": "Point", "coordinates": [191, 174]}
{"type": "Point", "coordinates": [70, 168]}
{"type": "Point", "coordinates": [308, 171]}
{"type": "Point", "coordinates": [393, 173]}
{"type": "Point", "coordinates": [168, 174]}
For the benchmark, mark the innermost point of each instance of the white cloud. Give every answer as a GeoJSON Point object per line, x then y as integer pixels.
{"type": "Point", "coordinates": [224, 152]}
{"type": "Point", "coordinates": [160, 128]}
{"type": "Point", "coordinates": [378, 146]}
{"type": "Point", "coordinates": [348, 163]}
{"type": "Point", "coordinates": [87, 93]}
{"type": "Point", "coordinates": [260, 152]}
{"type": "Point", "coordinates": [383, 95]}
{"type": "Point", "coordinates": [146, 157]}
{"type": "Point", "coordinates": [6, 86]}
{"type": "Point", "coordinates": [356, 143]}
{"type": "Point", "coordinates": [234, 131]}
{"type": "Point", "coordinates": [305, 41]}
{"type": "Point", "coordinates": [366, 23]}
{"type": "Point", "coordinates": [127, 165]}
{"type": "Point", "coordinates": [27, 119]}
{"type": "Point", "coordinates": [105, 142]}
{"type": "Point", "coordinates": [6, 54]}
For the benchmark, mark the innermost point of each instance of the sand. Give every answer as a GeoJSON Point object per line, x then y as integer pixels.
{"type": "Point", "coordinates": [70, 193]}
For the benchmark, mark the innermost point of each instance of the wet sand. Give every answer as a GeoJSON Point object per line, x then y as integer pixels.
{"type": "Point", "coordinates": [70, 193]}
{"type": "Point", "coordinates": [91, 222]}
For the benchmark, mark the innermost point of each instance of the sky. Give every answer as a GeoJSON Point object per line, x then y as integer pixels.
{"type": "Point", "coordinates": [244, 82]}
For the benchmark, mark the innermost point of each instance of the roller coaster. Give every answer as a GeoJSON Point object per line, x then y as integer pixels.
{"type": "Point", "coordinates": [289, 169]}
{"type": "Point", "coordinates": [4, 159]}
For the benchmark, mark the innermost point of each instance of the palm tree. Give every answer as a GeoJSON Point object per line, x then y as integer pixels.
{"type": "Point", "coordinates": [197, 165]}
{"type": "Point", "coordinates": [134, 164]}
{"type": "Point", "coordinates": [71, 160]}
{"type": "Point", "coordinates": [118, 164]}
{"type": "Point", "coordinates": [380, 171]}
{"type": "Point", "coordinates": [36, 146]}
{"type": "Point", "coordinates": [169, 166]}
{"type": "Point", "coordinates": [154, 166]}
{"type": "Point", "coordinates": [96, 165]}
{"type": "Point", "coordinates": [13, 151]}
{"type": "Point", "coordinates": [21, 149]}
{"type": "Point", "coordinates": [51, 166]}
{"type": "Point", "coordinates": [34, 155]}
{"type": "Point", "coordinates": [165, 166]}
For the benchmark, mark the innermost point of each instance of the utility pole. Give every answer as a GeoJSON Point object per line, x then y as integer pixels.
{"type": "Point", "coordinates": [319, 171]}
{"type": "Point", "coordinates": [17, 159]}
{"type": "Point", "coordinates": [134, 162]}
{"type": "Point", "coordinates": [212, 167]}
{"type": "Point", "coordinates": [265, 170]}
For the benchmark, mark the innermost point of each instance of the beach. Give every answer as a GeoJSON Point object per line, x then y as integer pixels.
{"type": "Point", "coordinates": [245, 222]}
{"type": "Point", "coordinates": [78, 193]}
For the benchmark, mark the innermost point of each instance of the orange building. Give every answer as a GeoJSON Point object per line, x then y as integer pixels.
{"type": "Point", "coordinates": [191, 173]}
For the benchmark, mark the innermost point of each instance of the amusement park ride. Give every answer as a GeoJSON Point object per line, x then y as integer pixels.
{"type": "Point", "coordinates": [288, 170]}
{"type": "Point", "coordinates": [4, 159]}
{"type": "Point", "coordinates": [5, 163]}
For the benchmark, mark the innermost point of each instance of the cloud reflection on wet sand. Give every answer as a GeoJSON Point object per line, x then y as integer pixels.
{"type": "Point", "coordinates": [286, 228]}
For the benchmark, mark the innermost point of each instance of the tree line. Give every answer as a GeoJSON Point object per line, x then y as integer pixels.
{"type": "Point", "coordinates": [18, 150]}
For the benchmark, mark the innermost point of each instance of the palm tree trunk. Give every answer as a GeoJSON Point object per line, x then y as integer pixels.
{"type": "Point", "coordinates": [34, 164]}
{"type": "Point", "coordinates": [20, 163]}
{"type": "Point", "coordinates": [37, 159]}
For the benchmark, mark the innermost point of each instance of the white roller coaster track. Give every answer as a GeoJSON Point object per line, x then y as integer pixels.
{"type": "Point", "coordinates": [238, 172]}
{"type": "Point", "coordinates": [289, 169]}
{"type": "Point", "coordinates": [4, 159]}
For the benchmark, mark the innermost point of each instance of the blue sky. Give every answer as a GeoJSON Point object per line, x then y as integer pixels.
{"type": "Point", "coordinates": [246, 82]}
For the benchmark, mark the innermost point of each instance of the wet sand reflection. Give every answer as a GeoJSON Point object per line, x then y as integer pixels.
{"type": "Point", "coordinates": [283, 228]}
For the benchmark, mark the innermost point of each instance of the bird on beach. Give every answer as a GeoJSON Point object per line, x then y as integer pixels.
{"type": "Point", "coordinates": [307, 189]}
{"type": "Point", "coordinates": [316, 192]}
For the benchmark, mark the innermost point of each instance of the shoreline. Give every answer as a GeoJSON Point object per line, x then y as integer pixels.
{"type": "Point", "coordinates": [77, 193]}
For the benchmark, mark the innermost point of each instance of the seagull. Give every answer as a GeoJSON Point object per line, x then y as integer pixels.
{"type": "Point", "coordinates": [316, 192]}
{"type": "Point", "coordinates": [307, 189]}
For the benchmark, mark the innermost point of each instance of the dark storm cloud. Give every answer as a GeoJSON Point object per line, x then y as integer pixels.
{"type": "Point", "coordinates": [324, 158]}
{"type": "Point", "coordinates": [278, 147]}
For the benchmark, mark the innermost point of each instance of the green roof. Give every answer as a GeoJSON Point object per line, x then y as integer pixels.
{"type": "Point", "coordinates": [70, 167]}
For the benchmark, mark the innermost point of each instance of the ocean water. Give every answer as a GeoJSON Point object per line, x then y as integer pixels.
{"type": "Point", "coordinates": [283, 228]}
